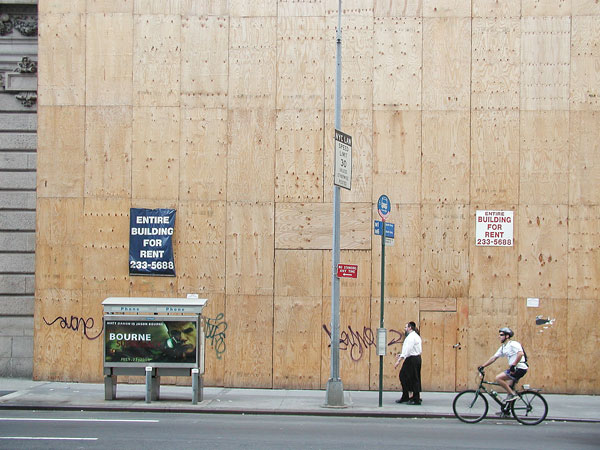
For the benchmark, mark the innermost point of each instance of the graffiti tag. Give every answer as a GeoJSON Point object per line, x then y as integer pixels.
{"type": "Point", "coordinates": [357, 343]}
{"type": "Point", "coordinates": [74, 323]}
{"type": "Point", "coordinates": [215, 332]}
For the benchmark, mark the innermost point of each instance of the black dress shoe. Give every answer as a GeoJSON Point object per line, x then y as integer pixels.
{"type": "Point", "coordinates": [403, 400]}
{"type": "Point", "coordinates": [414, 402]}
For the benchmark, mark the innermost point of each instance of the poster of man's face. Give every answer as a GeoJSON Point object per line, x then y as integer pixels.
{"type": "Point", "coordinates": [182, 337]}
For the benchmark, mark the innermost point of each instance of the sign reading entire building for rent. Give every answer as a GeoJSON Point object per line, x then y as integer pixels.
{"type": "Point", "coordinates": [494, 228]}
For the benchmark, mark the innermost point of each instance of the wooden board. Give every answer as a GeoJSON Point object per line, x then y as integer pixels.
{"type": "Point", "coordinates": [398, 8]}
{"type": "Point", "coordinates": [60, 154]}
{"type": "Point", "coordinates": [300, 62]}
{"type": "Point", "coordinates": [403, 259]}
{"type": "Point", "coordinates": [90, 327]}
{"type": "Point", "coordinates": [495, 157]}
{"type": "Point", "coordinates": [546, 7]}
{"type": "Point", "coordinates": [108, 6]}
{"type": "Point", "coordinates": [109, 59]}
{"type": "Point", "coordinates": [582, 365]}
{"type": "Point", "coordinates": [299, 273]}
{"type": "Point", "coordinates": [309, 226]}
{"type": "Point", "coordinates": [397, 156]}
{"type": "Point", "coordinates": [446, 63]}
{"type": "Point", "coordinates": [200, 247]}
{"type": "Point", "coordinates": [155, 153]}
{"type": "Point", "coordinates": [297, 336]}
{"type": "Point", "coordinates": [494, 8]}
{"type": "Point", "coordinates": [545, 63]}
{"type": "Point", "coordinates": [252, 62]}
{"type": "Point", "coordinates": [108, 149]}
{"type": "Point", "coordinates": [544, 173]}
{"type": "Point", "coordinates": [463, 370]}
{"type": "Point", "coordinates": [397, 63]}
{"type": "Point", "coordinates": [495, 63]}
{"type": "Point", "coordinates": [584, 252]}
{"type": "Point", "coordinates": [585, 57]}
{"type": "Point", "coordinates": [251, 155]}
{"type": "Point", "coordinates": [445, 257]}
{"type": "Point", "coordinates": [584, 161]}
{"type": "Point", "coordinates": [447, 8]}
{"type": "Point", "coordinates": [58, 6]}
{"type": "Point", "coordinates": [445, 157]}
{"type": "Point", "coordinates": [250, 251]}
{"type": "Point", "coordinates": [216, 330]}
{"type": "Point", "coordinates": [203, 150]}
{"type": "Point", "coordinates": [260, 8]}
{"type": "Point", "coordinates": [301, 8]}
{"type": "Point", "coordinates": [437, 305]}
{"type": "Point", "coordinates": [156, 57]}
{"type": "Point", "coordinates": [249, 356]}
{"type": "Point", "coordinates": [438, 332]}
{"type": "Point", "coordinates": [543, 242]}
{"type": "Point", "coordinates": [299, 156]}
{"type": "Point", "coordinates": [204, 61]}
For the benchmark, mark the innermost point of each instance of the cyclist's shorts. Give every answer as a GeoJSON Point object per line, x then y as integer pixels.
{"type": "Point", "coordinates": [519, 373]}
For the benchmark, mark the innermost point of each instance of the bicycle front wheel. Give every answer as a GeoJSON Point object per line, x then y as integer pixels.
{"type": "Point", "coordinates": [470, 406]}
{"type": "Point", "coordinates": [530, 408]}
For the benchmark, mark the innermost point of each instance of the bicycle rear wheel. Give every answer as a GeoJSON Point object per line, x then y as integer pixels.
{"type": "Point", "coordinates": [470, 406]}
{"type": "Point", "coordinates": [530, 408]}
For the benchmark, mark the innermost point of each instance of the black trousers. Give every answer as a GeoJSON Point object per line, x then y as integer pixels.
{"type": "Point", "coordinates": [410, 377]}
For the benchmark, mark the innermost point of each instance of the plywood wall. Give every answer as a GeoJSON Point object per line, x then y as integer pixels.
{"type": "Point", "coordinates": [225, 112]}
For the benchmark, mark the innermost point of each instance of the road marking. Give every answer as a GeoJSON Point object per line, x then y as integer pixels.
{"type": "Point", "coordinates": [25, 419]}
{"type": "Point", "coordinates": [29, 438]}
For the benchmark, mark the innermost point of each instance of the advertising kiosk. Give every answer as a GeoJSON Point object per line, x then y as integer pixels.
{"type": "Point", "coordinates": [153, 337]}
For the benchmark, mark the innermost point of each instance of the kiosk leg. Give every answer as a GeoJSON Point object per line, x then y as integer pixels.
{"type": "Point", "coordinates": [156, 388]}
{"type": "Point", "coordinates": [148, 384]}
{"type": "Point", "coordinates": [110, 387]}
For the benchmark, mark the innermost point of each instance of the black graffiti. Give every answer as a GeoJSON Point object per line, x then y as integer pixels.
{"type": "Point", "coordinates": [215, 332]}
{"type": "Point", "coordinates": [74, 323]}
{"type": "Point", "coordinates": [358, 343]}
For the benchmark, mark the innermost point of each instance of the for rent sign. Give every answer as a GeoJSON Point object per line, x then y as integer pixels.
{"type": "Point", "coordinates": [494, 228]}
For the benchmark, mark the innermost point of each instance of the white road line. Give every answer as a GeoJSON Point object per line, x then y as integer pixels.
{"type": "Point", "coordinates": [33, 419]}
{"type": "Point", "coordinates": [29, 438]}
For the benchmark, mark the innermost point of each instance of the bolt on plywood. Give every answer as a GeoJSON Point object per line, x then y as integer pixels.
{"type": "Point", "coordinates": [584, 252]}
{"type": "Point", "coordinates": [584, 158]}
{"type": "Point", "coordinates": [446, 8]}
{"type": "Point", "coordinates": [585, 60]}
{"type": "Point", "coordinates": [546, 7]}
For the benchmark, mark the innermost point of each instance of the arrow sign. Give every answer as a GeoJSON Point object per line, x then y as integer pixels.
{"type": "Point", "coordinates": [347, 271]}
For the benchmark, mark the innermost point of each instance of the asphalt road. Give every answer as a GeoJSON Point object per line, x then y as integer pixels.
{"type": "Point", "coordinates": [137, 431]}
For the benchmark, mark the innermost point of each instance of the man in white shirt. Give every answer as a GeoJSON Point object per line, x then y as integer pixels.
{"type": "Point", "coordinates": [410, 373]}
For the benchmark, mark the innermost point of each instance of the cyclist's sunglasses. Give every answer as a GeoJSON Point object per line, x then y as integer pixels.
{"type": "Point", "coordinates": [502, 334]}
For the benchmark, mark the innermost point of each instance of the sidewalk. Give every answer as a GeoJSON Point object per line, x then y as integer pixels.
{"type": "Point", "coordinates": [27, 394]}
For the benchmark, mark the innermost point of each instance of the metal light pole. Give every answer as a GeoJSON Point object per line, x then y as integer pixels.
{"type": "Point", "coordinates": [335, 389]}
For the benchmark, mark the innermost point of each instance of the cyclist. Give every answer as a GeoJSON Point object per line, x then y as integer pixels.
{"type": "Point", "coordinates": [516, 359]}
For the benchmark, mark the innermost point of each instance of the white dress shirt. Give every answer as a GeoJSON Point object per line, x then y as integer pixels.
{"type": "Point", "coordinates": [411, 345]}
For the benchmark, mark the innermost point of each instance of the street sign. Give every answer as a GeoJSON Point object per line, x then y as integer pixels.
{"type": "Point", "coordinates": [384, 206]}
{"type": "Point", "coordinates": [342, 175]}
{"type": "Point", "coordinates": [389, 228]}
{"type": "Point", "coordinates": [347, 270]}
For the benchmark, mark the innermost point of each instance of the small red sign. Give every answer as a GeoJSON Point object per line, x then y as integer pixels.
{"type": "Point", "coordinates": [347, 270]}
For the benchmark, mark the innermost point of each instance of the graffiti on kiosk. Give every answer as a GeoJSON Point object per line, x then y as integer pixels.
{"type": "Point", "coordinates": [357, 343]}
{"type": "Point", "coordinates": [74, 323]}
{"type": "Point", "coordinates": [215, 332]}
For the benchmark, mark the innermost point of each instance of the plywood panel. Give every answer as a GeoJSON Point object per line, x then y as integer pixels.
{"type": "Point", "coordinates": [299, 156]}
{"type": "Point", "coordinates": [259, 8]}
{"type": "Point", "coordinates": [357, 32]}
{"type": "Point", "coordinates": [90, 328]}
{"type": "Point", "coordinates": [584, 334]}
{"type": "Point", "coordinates": [463, 370]}
{"type": "Point", "coordinates": [584, 160]}
{"type": "Point", "coordinates": [109, 6]}
{"type": "Point", "coordinates": [445, 257]}
{"type": "Point", "coordinates": [397, 155]}
{"type": "Point", "coordinates": [403, 259]}
{"type": "Point", "coordinates": [446, 8]}
{"type": "Point", "coordinates": [201, 228]}
{"type": "Point", "coordinates": [209, 7]}
{"type": "Point", "coordinates": [156, 56]}
{"type": "Point", "coordinates": [108, 146]}
{"type": "Point", "coordinates": [545, 344]}
{"type": "Point", "coordinates": [250, 253]}
{"type": "Point", "coordinates": [496, 57]}
{"type": "Point", "coordinates": [438, 332]}
{"type": "Point", "coordinates": [437, 304]}
{"type": "Point", "coordinates": [109, 59]}
{"type": "Point", "coordinates": [585, 7]}
{"type": "Point", "coordinates": [216, 330]}
{"type": "Point", "coordinates": [542, 246]}
{"type": "Point", "coordinates": [56, 350]}
{"type": "Point", "coordinates": [309, 226]}
{"type": "Point", "coordinates": [397, 313]}
{"type": "Point", "coordinates": [495, 157]}
{"type": "Point", "coordinates": [544, 157]}
{"type": "Point", "coordinates": [300, 62]}
{"type": "Point", "coordinates": [446, 63]}
{"type": "Point", "coordinates": [156, 7]}
{"type": "Point", "coordinates": [359, 125]}
{"type": "Point", "coordinates": [204, 61]}
{"type": "Point", "coordinates": [59, 250]}
{"type": "Point", "coordinates": [545, 63]}
{"type": "Point", "coordinates": [585, 63]}
{"type": "Point", "coordinates": [60, 154]}
{"type": "Point", "coordinates": [58, 6]}
{"type": "Point", "coordinates": [445, 157]}
{"type": "Point", "coordinates": [252, 61]}
{"type": "Point", "coordinates": [155, 160]}
{"type": "Point", "coordinates": [357, 342]}
{"type": "Point", "coordinates": [297, 336]}
{"type": "Point", "coordinates": [251, 155]}
{"type": "Point", "coordinates": [299, 273]}
{"type": "Point", "coordinates": [584, 252]}
{"type": "Point", "coordinates": [494, 8]}
{"type": "Point", "coordinates": [249, 356]}
{"type": "Point", "coordinates": [349, 287]}
{"type": "Point", "coordinates": [493, 270]}
{"type": "Point", "coordinates": [397, 8]}
{"type": "Point", "coordinates": [61, 66]}
{"type": "Point", "coordinates": [106, 244]}
{"type": "Point", "coordinates": [301, 8]}
{"type": "Point", "coordinates": [397, 63]}
{"type": "Point", "coordinates": [204, 145]}
{"type": "Point", "coordinates": [546, 7]}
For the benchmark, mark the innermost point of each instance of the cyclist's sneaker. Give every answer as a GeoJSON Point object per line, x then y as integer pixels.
{"type": "Point", "coordinates": [511, 398]}
{"type": "Point", "coordinates": [502, 414]}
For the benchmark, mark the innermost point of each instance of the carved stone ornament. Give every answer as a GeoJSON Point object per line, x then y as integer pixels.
{"type": "Point", "coordinates": [26, 66]}
{"type": "Point", "coordinates": [27, 26]}
{"type": "Point", "coordinates": [6, 24]}
{"type": "Point", "coordinates": [27, 99]}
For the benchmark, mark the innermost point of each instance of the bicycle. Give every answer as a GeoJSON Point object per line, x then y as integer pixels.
{"type": "Point", "coordinates": [471, 406]}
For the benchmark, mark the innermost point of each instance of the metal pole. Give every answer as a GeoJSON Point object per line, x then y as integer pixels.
{"type": "Point", "coordinates": [335, 389]}
{"type": "Point", "coordinates": [382, 304]}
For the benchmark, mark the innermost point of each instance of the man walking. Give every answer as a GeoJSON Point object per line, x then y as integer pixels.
{"type": "Point", "coordinates": [410, 373]}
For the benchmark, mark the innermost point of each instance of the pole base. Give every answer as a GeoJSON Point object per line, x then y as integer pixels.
{"type": "Point", "coordinates": [335, 394]}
